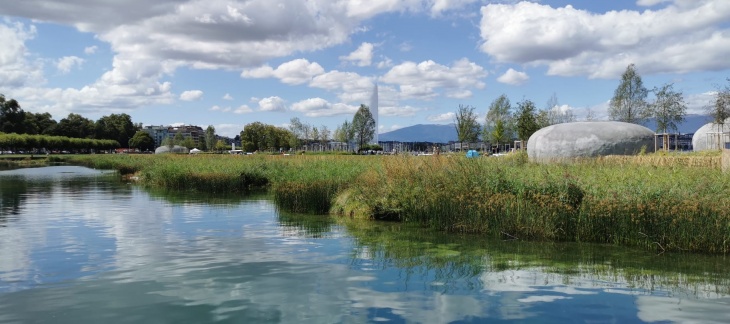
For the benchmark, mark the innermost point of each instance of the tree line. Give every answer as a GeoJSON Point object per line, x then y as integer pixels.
{"type": "Point", "coordinates": [503, 122]}
{"type": "Point", "coordinates": [354, 135]}
{"type": "Point", "coordinates": [75, 132]}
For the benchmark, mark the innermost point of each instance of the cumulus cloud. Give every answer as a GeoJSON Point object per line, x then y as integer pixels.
{"type": "Point", "coordinates": [272, 104]}
{"type": "Point", "coordinates": [513, 77]}
{"type": "Point", "coordinates": [243, 109]}
{"type": "Point", "coordinates": [401, 111]}
{"type": "Point", "coordinates": [227, 97]}
{"type": "Point", "coordinates": [442, 118]}
{"type": "Point", "coordinates": [293, 72]}
{"type": "Point", "coordinates": [683, 36]}
{"type": "Point", "coordinates": [90, 50]}
{"type": "Point", "coordinates": [352, 87]}
{"type": "Point", "coordinates": [421, 80]}
{"type": "Point", "coordinates": [318, 107]}
{"type": "Point", "coordinates": [362, 56]}
{"type": "Point", "coordinates": [67, 63]}
{"type": "Point", "coordinates": [191, 95]}
{"type": "Point", "coordinates": [16, 70]}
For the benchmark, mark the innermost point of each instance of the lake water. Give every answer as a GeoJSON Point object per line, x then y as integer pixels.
{"type": "Point", "coordinates": [81, 246]}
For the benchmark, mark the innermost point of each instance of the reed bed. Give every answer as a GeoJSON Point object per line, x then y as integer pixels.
{"type": "Point", "coordinates": [661, 203]}
{"type": "Point", "coordinates": [676, 207]}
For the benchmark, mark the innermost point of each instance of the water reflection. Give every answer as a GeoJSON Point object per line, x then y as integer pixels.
{"type": "Point", "coordinates": [100, 250]}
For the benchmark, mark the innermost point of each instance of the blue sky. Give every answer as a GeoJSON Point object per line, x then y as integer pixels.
{"type": "Point", "coordinates": [228, 63]}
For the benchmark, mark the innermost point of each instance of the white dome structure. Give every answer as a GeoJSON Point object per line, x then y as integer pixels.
{"type": "Point", "coordinates": [568, 141]}
{"type": "Point", "coordinates": [175, 149]}
{"type": "Point", "coordinates": [706, 137]}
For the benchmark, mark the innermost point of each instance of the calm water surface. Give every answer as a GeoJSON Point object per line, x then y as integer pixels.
{"type": "Point", "coordinates": [81, 246]}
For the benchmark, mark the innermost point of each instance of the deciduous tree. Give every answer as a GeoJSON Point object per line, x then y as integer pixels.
{"type": "Point", "coordinates": [467, 126]}
{"type": "Point", "coordinates": [363, 126]}
{"type": "Point", "coordinates": [526, 121]}
{"type": "Point", "coordinates": [629, 100]}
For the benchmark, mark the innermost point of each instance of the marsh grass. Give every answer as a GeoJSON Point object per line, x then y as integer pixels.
{"type": "Point", "coordinates": [661, 203]}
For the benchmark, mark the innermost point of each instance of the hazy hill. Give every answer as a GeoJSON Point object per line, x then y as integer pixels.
{"type": "Point", "coordinates": [421, 133]}
{"type": "Point", "coordinates": [437, 133]}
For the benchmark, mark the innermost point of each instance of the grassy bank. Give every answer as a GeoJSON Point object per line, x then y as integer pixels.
{"type": "Point", "coordinates": [661, 203]}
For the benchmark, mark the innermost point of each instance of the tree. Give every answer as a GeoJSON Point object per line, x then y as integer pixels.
{"type": "Point", "coordinates": [210, 137]}
{"type": "Point", "coordinates": [76, 126]}
{"type": "Point", "coordinates": [167, 141]}
{"type": "Point", "coordinates": [258, 136]}
{"type": "Point", "coordinates": [40, 123]}
{"type": "Point", "coordinates": [668, 108]}
{"type": "Point", "coordinates": [719, 108]}
{"type": "Point", "coordinates": [315, 134]}
{"type": "Point", "coordinates": [467, 127]}
{"type": "Point", "coordinates": [178, 139]}
{"type": "Point", "coordinates": [629, 100]}
{"type": "Point", "coordinates": [363, 126]}
{"type": "Point", "coordinates": [526, 121]}
{"type": "Point", "coordinates": [12, 117]}
{"type": "Point", "coordinates": [324, 136]}
{"type": "Point", "coordinates": [117, 127]}
{"type": "Point", "coordinates": [498, 123]}
{"type": "Point", "coordinates": [142, 141]}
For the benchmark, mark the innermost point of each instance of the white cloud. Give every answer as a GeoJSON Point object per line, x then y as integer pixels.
{"type": "Point", "coordinates": [362, 56]}
{"type": "Point", "coordinates": [293, 72]}
{"type": "Point", "coordinates": [513, 77]}
{"type": "Point", "coordinates": [230, 130]}
{"type": "Point", "coordinates": [221, 109]}
{"type": "Point", "coordinates": [272, 104]}
{"type": "Point", "coordinates": [227, 97]}
{"type": "Point", "coordinates": [385, 63]}
{"type": "Point", "coordinates": [439, 6]}
{"type": "Point", "coordinates": [682, 37]}
{"type": "Point", "coordinates": [191, 95]}
{"type": "Point", "coordinates": [243, 109]}
{"type": "Point", "coordinates": [15, 69]}
{"type": "Point", "coordinates": [352, 87]}
{"type": "Point", "coordinates": [442, 118]}
{"type": "Point", "coordinates": [649, 3]}
{"type": "Point", "coordinates": [421, 80]}
{"type": "Point", "coordinates": [404, 111]}
{"type": "Point", "coordinates": [318, 107]}
{"type": "Point", "coordinates": [405, 47]}
{"type": "Point", "coordinates": [90, 50]}
{"type": "Point", "coordinates": [66, 63]}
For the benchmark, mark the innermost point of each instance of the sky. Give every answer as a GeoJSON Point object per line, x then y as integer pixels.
{"type": "Point", "coordinates": [227, 63]}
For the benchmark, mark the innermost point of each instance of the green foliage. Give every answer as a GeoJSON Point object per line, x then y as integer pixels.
{"type": "Point", "coordinates": [363, 126]}
{"type": "Point", "coordinates": [719, 109]}
{"type": "Point", "coordinates": [142, 141]}
{"type": "Point", "coordinates": [498, 126]}
{"type": "Point", "coordinates": [629, 99]}
{"type": "Point", "coordinates": [178, 139]}
{"type": "Point", "coordinates": [76, 126]}
{"type": "Point", "coordinates": [210, 140]}
{"type": "Point", "coordinates": [467, 127]}
{"type": "Point", "coordinates": [526, 120]}
{"type": "Point", "coordinates": [117, 127]}
{"type": "Point", "coordinates": [12, 117]}
{"type": "Point", "coordinates": [668, 108]}
{"type": "Point", "coordinates": [25, 142]}
{"type": "Point", "coordinates": [258, 136]}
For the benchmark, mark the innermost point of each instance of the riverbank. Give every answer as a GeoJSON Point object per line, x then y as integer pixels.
{"type": "Point", "coordinates": [661, 203]}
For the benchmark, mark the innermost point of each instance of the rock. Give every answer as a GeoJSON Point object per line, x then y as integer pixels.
{"type": "Point", "coordinates": [701, 141]}
{"type": "Point", "coordinates": [562, 142]}
{"type": "Point", "coordinates": [174, 149]}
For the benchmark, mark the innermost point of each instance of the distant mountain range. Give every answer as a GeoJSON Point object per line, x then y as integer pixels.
{"type": "Point", "coordinates": [438, 133]}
